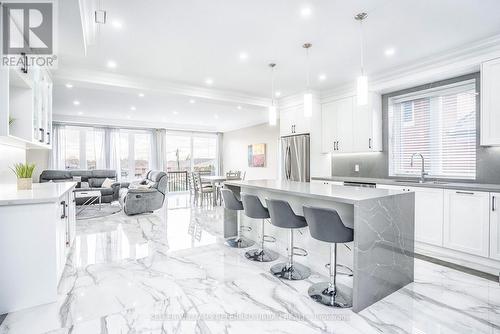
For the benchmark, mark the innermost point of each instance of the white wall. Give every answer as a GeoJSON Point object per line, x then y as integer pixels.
{"type": "Point", "coordinates": [10, 155]}
{"type": "Point", "coordinates": [41, 160]}
{"type": "Point", "coordinates": [235, 146]}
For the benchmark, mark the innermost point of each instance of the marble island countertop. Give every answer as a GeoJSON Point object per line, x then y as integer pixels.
{"type": "Point", "coordinates": [41, 193]}
{"type": "Point", "coordinates": [348, 195]}
{"type": "Point", "coordinates": [413, 183]}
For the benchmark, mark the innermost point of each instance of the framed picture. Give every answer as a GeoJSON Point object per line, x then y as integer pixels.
{"type": "Point", "coordinates": [257, 155]}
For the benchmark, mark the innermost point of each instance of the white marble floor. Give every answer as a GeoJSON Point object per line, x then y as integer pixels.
{"type": "Point", "coordinates": [169, 272]}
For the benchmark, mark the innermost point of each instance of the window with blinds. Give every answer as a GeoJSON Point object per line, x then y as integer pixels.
{"type": "Point", "coordinates": [440, 124]}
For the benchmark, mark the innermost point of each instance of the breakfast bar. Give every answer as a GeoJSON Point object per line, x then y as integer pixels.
{"type": "Point", "coordinates": [381, 255]}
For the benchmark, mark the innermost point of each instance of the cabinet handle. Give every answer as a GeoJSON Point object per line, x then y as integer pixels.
{"type": "Point", "coordinates": [493, 203]}
{"type": "Point", "coordinates": [48, 138]}
{"type": "Point", "coordinates": [42, 133]}
{"type": "Point", "coordinates": [465, 193]}
{"type": "Point", "coordinates": [369, 143]}
{"type": "Point", "coordinates": [63, 203]}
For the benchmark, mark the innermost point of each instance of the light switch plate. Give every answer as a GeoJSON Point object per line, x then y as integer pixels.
{"type": "Point", "coordinates": [356, 168]}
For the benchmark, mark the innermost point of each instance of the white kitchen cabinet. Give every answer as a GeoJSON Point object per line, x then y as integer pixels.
{"type": "Point", "coordinates": [27, 100]}
{"type": "Point", "coordinates": [494, 226]}
{"type": "Point", "coordinates": [293, 121]}
{"type": "Point", "coordinates": [348, 128]}
{"type": "Point", "coordinates": [428, 213]}
{"type": "Point", "coordinates": [490, 102]}
{"type": "Point", "coordinates": [466, 221]}
{"type": "Point", "coordinates": [336, 125]}
{"type": "Point", "coordinates": [367, 125]}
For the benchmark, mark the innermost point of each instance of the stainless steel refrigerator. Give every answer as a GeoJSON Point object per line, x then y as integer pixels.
{"type": "Point", "coordinates": [295, 158]}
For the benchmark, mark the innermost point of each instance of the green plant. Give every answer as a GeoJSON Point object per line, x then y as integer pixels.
{"type": "Point", "coordinates": [11, 120]}
{"type": "Point", "coordinates": [23, 171]}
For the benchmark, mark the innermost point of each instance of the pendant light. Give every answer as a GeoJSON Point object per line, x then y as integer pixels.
{"type": "Point", "coordinates": [308, 99]}
{"type": "Point", "coordinates": [273, 115]}
{"type": "Point", "coordinates": [362, 80]}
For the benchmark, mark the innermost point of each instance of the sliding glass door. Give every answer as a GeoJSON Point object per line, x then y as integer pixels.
{"type": "Point", "coordinates": [135, 154]}
{"type": "Point", "coordinates": [188, 151]}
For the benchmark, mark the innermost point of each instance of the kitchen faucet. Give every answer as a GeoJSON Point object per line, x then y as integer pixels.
{"type": "Point", "coordinates": [422, 173]}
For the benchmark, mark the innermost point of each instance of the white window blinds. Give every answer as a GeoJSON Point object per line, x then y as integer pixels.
{"type": "Point", "coordinates": [439, 123]}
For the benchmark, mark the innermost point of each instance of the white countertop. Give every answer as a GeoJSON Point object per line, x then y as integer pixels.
{"type": "Point", "coordinates": [41, 193]}
{"type": "Point", "coordinates": [349, 195]}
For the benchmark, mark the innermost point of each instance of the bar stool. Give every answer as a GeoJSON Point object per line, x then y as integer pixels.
{"type": "Point", "coordinates": [326, 225]}
{"type": "Point", "coordinates": [283, 216]}
{"type": "Point", "coordinates": [254, 209]}
{"type": "Point", "coordinates": [232, 203]}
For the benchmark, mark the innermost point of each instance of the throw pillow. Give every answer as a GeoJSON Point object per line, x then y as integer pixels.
{"type": "Point", "coordinates": [107, 183]}
{"type": "Point", "coordinates": [84, 185]}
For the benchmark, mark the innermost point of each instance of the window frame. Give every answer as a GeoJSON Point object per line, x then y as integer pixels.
{"type": "Point", "coordinates": [429, 91]}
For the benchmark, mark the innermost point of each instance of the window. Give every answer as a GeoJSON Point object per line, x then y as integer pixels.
{"type": "Point", "coordinates": [439, 123]}
{"type": "Point", "coordinates": [135, 154]}
{"type": "Point", "coordinates": [205, 154]}
{"type": "Point", "coordinates": [84, 148]}
{"type": "Point", "coordinates": [192, 152]}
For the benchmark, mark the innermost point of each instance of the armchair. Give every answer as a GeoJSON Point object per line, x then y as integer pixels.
{"type": "Point", "coordinates": [142, 200]}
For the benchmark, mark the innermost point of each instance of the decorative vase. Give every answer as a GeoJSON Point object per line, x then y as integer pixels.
{"type": "Point", "coordinates": [24, 184]}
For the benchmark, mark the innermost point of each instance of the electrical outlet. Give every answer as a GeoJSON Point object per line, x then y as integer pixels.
{"type": "Point", "coordinates": [356, 168]}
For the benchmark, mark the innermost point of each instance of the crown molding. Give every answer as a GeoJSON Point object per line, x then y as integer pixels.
{"type": "Point", "coordinates": [463, 60]}
{"type": "Point", "coordinates": [92, 78]}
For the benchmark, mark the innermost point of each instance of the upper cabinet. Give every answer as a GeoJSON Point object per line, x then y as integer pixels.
{"type": "Point", "coordinates": [293, 121]}
{"type": "Point", "coordinates": [349, 128]}
{"type": "Point", "coordinates": [490, 103]}
{"type": "Point", "coordinates": [26, 113]}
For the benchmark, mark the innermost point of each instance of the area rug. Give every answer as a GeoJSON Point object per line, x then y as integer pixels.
{"type": "Point", "coordinates": [93, 211]}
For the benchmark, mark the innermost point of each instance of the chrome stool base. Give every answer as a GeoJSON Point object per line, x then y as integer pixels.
{"type": "Point", "coordinates": [294, 273]}
{"type": "Point", "coordinates": [239, 242]}
{"type": "Point", "coordinates": [324, 294]}
{"type": "Point", "coordinates": [261, 255]}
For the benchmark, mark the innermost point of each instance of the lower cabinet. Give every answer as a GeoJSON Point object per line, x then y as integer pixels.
{"type": "Point", "coordinates": [428, 213]}
{"type": "Point", "coordinates": [466, 221]}
{"type": "Point", "coordinates": [494, 226]}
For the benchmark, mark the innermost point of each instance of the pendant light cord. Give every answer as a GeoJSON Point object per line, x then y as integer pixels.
{"type": "Point", "coordinates": [308, 70]}
{"type": "Point", "coordinates": [272, 85]}
{"type": "Point", "coordinates": [362, 45]}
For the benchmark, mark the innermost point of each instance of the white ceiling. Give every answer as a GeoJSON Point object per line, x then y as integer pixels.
{"type": "Point", "coordinates": [155, 109]}
{"type": "Point", "coordinates": [190, 40]}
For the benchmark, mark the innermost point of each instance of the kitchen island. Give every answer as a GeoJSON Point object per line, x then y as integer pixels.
{"type": "Point", "coordinates": [381, 256]}
{"type": "Point", "coordinates": [37, 228]}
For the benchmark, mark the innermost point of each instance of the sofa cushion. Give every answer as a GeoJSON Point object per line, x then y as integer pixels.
{"type": "Point", "coordinates": [96, 182]}
{"type": "Point", "coordinates": [84, 174]}
{"type": "Point", "coordinates": [104, 173]}
{"type": "Point", "coordinates": [55, 175]}
{"type": "Point", "coordinates": [155, 176]}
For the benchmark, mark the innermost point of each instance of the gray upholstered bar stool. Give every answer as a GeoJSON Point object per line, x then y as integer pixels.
{"type": "Point", "coordinates": [232, 203]}
{"type": "Point", "coordinates": [326, 225]}
{"type": "Point", "coordinates": [254, 209]}
{"type": "Point", "coordinates": [283, 216]}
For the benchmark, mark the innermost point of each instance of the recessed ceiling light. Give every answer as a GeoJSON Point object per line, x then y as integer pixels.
{"type": "Point", "coordinates": [306, 11]}
{"type": "Point", "coordinates": [141, 94]}
{"type": "Point", "coordinates": [76, 103]}
{"type": "Point", "coordinates": [192, 101]}
{"type": "Point", "coordinates": [216, 116]}
{"type": "Point", "coordinates": [69, 85]}
{"type": "Point", "coordinates": [209, 81]}
{"type": "Point", "coordinates": [239, 107]}
{"type": "Point", "coordinates": [322, 77]}
{"type": "Point", "coordinates": [243, 56]}
{"type": "Point", "coordinates": [80, 113]}
{"type": "Point", "coordinates": [277, 94]}
{"type": "Point", "coordinates": [129, 117]}
{"type": "Point", "coordinates": [175, 112]}
{"type": "Point", "coordinates": [133, 108]}
{"type": "Point", "coordinates": [390, 52]}
{"type": "Point", "coordinates": [111, 64]}
{"type": "Point", "coordinates": [117, 24]}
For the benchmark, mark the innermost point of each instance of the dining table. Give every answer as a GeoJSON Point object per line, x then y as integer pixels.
{"type": "Point", "coordinates": [214, 180]}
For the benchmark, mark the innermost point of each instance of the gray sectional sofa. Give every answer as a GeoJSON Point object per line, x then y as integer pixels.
{"type": "Point", "coordinates": [135, 201]}
{"type": "Point", "coordinates": [94, 178]}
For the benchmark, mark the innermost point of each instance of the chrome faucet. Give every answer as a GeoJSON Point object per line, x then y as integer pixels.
{"type": "Point", "coordinates": [422, 160]}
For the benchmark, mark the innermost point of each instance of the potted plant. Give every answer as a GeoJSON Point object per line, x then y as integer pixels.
{"type": "Point", "coordinates": [24, 173]}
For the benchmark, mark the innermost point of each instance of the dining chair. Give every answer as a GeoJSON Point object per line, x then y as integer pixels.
{"type": "Point", "coordinates": [205, 192]}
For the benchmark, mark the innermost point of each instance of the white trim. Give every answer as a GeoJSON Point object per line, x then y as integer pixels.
{"type": "Point", "coordinates": [462, 60]}
{"type": "Point", "coordinates": [92, 78]}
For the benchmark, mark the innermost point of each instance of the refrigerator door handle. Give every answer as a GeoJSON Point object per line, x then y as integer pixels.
{"type": "Point", "coordinates": [289, 163]}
